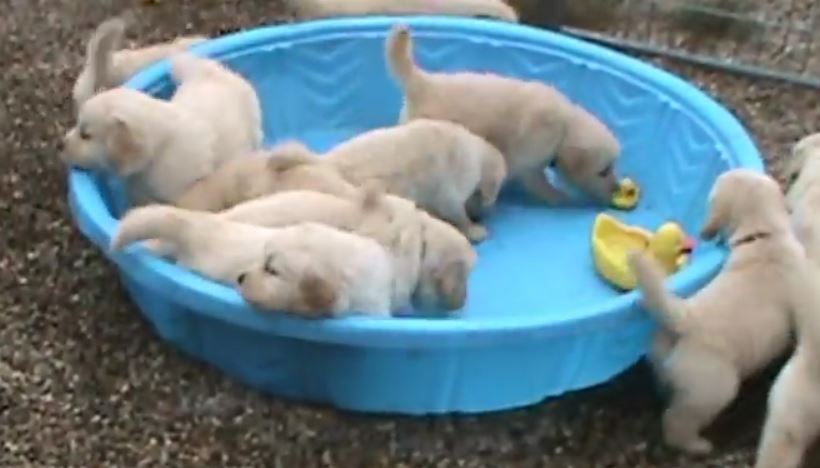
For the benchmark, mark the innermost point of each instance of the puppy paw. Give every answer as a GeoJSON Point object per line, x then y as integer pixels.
{"type": "Point", "coordinates": [475, 232]}
{"type": "Point", "coordinates": [697, 447]}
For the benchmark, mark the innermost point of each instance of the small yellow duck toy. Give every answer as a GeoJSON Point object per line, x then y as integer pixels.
{"type": "Point", "coordinates": [612, 240]}
{"type": "Point", "coordinates": [627, 195]}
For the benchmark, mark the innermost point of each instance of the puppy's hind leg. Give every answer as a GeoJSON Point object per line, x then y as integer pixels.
{"type": "Point", "coordinates": [535, 182]}
{"type": "Point", "coordinates": [792, 421]}
{"type": "Point", "coordinates": [702, 385]}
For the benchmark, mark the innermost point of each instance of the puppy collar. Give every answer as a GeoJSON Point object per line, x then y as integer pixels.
{"type": "Point", "coordinates": [755, 236]}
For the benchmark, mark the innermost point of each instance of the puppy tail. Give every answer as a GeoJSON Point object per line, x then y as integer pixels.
{"type": "Point", "coordinates": [288, 155]}
{"type": "Point", "coordinates": [106, 40]}
{"type": "Point", "coordinates": [400, 61]}
{"type": "Point", "coordinates": [162, 222]}
{"type": "Point", "coordinates": [667, 309]}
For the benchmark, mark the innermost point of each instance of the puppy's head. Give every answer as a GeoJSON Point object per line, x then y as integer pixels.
{"type": "Point", "coordinates": [588, 154]}
{"type": "Point", "coordinates": [447, 263]}
{"type": "Point", "coordinates": [108, 134]}
{"type": "Point", "coordinates": [744, 202]}
{"type": "Point", "coordinates": [281, 282]}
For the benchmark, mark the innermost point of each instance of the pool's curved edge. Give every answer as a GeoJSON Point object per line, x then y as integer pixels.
{"type": "Point", "coordinates": [223, 303]}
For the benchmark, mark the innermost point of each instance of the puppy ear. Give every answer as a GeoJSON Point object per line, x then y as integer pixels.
{"type": "Point", "coordinates": [319, 294]}
{"type": "Point", "coordinates": [124, 150]}
{"type": "Point", "coordinates": [716, 219]}
{"type": "Point", "coordinates": [451, 285]}
{"type": "Point", "coordinates": [288, 155]}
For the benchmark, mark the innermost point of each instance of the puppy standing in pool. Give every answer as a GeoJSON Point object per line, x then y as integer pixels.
{"type": "Point", "coordinates": [160, 148]}
{"type": "Point", "coordinates": [439, 165]}
{"type": "Point", "coordinates": [738, 323]}
{"type": "Point", "coordinates": [107, 65]}
{"type": "Point", "coordinates": [532, 124]}
{"type": "Point", "coordinates": [309, 269]}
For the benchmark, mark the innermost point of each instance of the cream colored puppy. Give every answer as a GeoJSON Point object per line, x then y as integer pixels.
{"type": "Point", "coordinates": [309, 269]}
{"type": "Point", "coordinates": [287, 166]}
{"type": "Point", "coordinates": [310, 9]}
{"type": "Point", "coordinates": [803, 169]}
{"type": "Point", "coordinates": [738, 323]}
{"type": "Point", "coordinates": [432, 260]}
{"type": "Point", "coordinates": [532, 124]}
{"type": "Point", "coordinates": [793, 419]}
{"type": "Point", "coordinates": [160, 148]}
{"type": "Point", "coordinates": [108, 66]}
{"type": "Point", "coordinates": [437, 164]}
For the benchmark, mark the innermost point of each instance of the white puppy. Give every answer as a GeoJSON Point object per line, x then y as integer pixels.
{"type": "Point", "coordinates": [432, 260]}
{"type": "Point", "coordinates": [107, 66]}
{"type": "Point", "coordinates": [309, 269]}
{"type": "Point", "coordinates": [437, 164]}
{"type": "Point", "coordinates": [287, 166]}
{"type": "Point", "coordinates": [532, 124]}
{"type": "Point", "coordinates": [740, 321]}
{"type": "Point", "coordinates": [162, 147]}
{"type": "Point", "coordinates": [309, 9]}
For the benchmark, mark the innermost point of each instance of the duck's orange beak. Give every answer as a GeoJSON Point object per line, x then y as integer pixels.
{"type": "Point", "coordinates": [688, 246]}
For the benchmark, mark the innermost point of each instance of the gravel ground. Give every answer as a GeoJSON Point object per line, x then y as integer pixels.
{"type": "Point", "coordinates": [85, 383]}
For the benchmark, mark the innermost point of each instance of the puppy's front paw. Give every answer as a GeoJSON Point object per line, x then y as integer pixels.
{"type": "Point", "coordinates": [476, 232]}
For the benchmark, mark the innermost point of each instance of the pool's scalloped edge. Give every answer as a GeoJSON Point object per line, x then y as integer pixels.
{"type": "Point", "coordinates": [223, 303]}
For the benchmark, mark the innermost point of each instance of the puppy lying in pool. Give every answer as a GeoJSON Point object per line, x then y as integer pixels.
{"type": "Point", "coordinates": [432, 260]}
{"type": "Point", "coordinates": [310, 9]}
{"type": "Point", "coordinates": [532, 124]}
{"type": "Point", "coordinates": [160, 148]}
{"type": "Point", "coordinates": [107, 65]}
{"type": "Point", "coordinates": [310, 269]}
{"type": "Point", "coordinates": [287, 166]}
{"type": "Point", "coordinates": [437, 164]}
{"type": "Point", "coordinates": [703, 350]}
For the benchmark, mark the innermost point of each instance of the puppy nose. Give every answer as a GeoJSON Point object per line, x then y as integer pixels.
{"type": "Point", "coordinates": [241, 278]}
{"type": "Point", "coordinates": [60, 146]}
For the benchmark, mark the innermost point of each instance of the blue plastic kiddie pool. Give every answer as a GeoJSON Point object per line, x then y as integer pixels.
{"type": "Point", "coordinates": [539, 321]}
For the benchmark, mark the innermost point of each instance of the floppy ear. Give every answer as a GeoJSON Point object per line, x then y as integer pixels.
{"type": "Point", "coordinates": [288, 155]}
{"type": "Point", "coordinates": [319, 295]}
{"type": "Point", "coordinates": [451, 285]}
{"type": "Point", "coordinates": [124, 150]}
{"type": "Point", "coordinates": [717, 217]}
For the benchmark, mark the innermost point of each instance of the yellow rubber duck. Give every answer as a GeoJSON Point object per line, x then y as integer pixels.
{"type": "Point", "coordinates": [612, 240]}
{"type": "Point", "coordinates": [627, 195]}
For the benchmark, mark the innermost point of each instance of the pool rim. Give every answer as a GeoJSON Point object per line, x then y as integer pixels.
{"type": "Point", "coordinates": [223, 303]}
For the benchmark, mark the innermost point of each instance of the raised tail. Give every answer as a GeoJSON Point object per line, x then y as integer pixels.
{"type": "Point", "coordinates": [106, 40]}
{"type": "Point", "coordinates": [163, 222]}
{"type": "Point", "coordinates": [399, 54]}
{"type": "Point", "coordinates": [667, 309]}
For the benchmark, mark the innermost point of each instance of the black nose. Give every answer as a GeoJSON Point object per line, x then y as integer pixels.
{"type": "Point", "coordinates": [60, 146]}
{"type": "Point", "coordinates": [241, 278]}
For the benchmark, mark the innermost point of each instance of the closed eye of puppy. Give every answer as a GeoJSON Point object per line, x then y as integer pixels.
{"type": "Point", "coordinates": [287, 166]}
{"type": "Point", "coordinates": [532, 124]}
{"type": "Point", "coordinates": [432, 260]}
{"type": "Point", "coordinates": [309, 9]}
{"type": "Point", "coordinates": [309, 269]}
{"type": "Point", "coordinates": [162, 147]}
{"type": "Point", "coordinates": [702, 350]}
{"type": "Point", "coordinates": [107, 66]}
{"type": "Point", "coordinates": [437, 164]}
